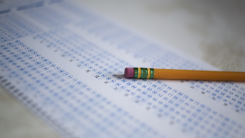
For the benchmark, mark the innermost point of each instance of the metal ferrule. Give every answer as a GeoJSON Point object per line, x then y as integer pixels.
{"type": "Point", "coordinates": [144, 73]}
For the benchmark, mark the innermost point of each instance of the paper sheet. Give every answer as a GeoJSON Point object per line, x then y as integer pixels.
{"type": "Point", "coordinates": [66, 63]}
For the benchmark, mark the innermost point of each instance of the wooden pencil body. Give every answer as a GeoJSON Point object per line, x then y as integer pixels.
{"type": "Point", "coordinates": [173, 74]}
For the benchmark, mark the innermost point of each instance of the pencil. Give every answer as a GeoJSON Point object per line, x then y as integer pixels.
{"type": "Point", "coordinates": [174, 74]}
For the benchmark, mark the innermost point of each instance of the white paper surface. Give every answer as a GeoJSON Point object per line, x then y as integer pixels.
{"type": "Point", "coordinates": [66, 64]}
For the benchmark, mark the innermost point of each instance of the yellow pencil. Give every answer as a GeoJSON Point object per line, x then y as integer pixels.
{"type": "Point", "coordinates": [174, 74]}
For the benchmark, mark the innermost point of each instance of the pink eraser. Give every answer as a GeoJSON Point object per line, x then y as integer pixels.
{"type": "Point", "coordinates": [129, 72]}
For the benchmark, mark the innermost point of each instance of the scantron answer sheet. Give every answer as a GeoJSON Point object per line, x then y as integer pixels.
{"type": "Point", "coordinates": [65, 63]}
